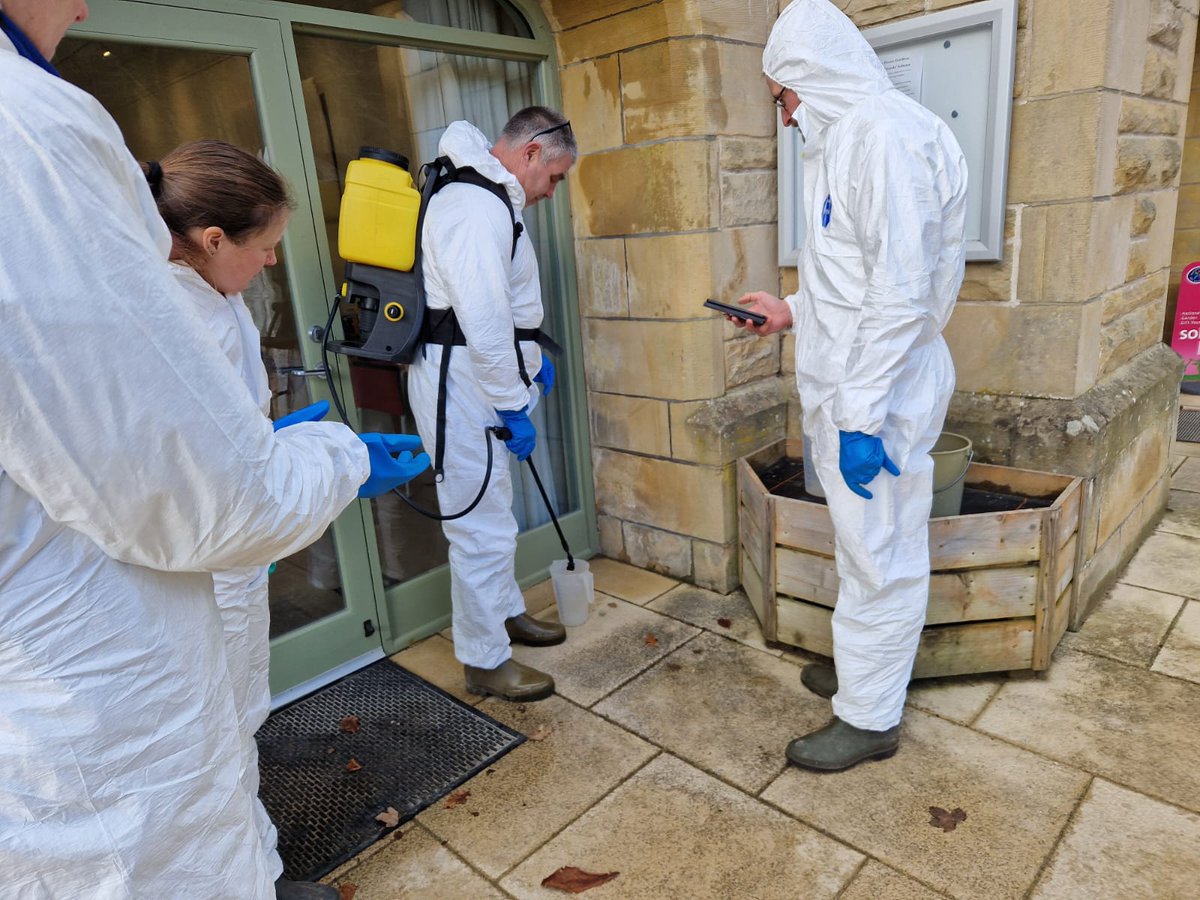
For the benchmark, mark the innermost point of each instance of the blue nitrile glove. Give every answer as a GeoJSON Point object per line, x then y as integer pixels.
{"type": "Point", "coordinates": [860, 459]}
{"type": "Point", "coordinates": [524, 437]}
{"type": "Point", "coordinates": [389, 470]}
{"type": "Point", "coordinates": [545, 375]}
{"type": "Point", "coordinates": [314, 413]}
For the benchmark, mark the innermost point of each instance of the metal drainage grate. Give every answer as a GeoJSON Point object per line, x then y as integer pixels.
{"type": "Point", "coordinates": [1189, 426]}
{"type": "Point", "coordinates": [415, 744]}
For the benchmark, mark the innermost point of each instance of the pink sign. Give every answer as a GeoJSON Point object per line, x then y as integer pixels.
{"type": "Point", "coordinates": [1185, 339]}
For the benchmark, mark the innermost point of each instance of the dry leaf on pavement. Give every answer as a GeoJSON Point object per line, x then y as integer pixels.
{"type": "Point", "coordinates": [576, 881]}
{"type": "Point", "coordinates": [725, 623]}
{"type": "Point", "coordinates": [350, 724]}
{"type": "Point", "coordinates": [458, 798]}
{"type": "Point", "coordinates": [389, 818]}
{"type": "Point", "coordinates": [348, 890]}
{"type": "Point", "coordinates": [947, 821]}
{"type": "Point", "coordinates": [651, 640]}
{"type": "Point", "coordinates": [353, 766]}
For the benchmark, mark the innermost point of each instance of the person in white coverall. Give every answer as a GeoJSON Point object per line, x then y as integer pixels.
{"type": "Point", "coordinates": [481, 283]}
{"type": "Point", "coordinates": [884, 197]}
{"type": "Point", "coordinates": [133, 463]}
{"type": "Point", "coordinates": [227, 211]}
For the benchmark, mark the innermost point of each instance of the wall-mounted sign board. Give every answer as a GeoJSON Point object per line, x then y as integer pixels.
{"type": "Point", "coordinates": [958, 63]}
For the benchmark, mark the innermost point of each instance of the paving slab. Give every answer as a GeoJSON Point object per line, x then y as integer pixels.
{"type": "Point", "coordinates": [674, 831]}
{"type": "Point", "coordinates": [959, 698]}
{"type": "Point", "coordinates": [433, 659]}
{"type": "Point", "coordinates": [875, 881]}
{"type": "Point", "coordinates": [617, 641]}
{"type": "Point", "coordinates": [1187, 476]}
{"type": "Point", "coordinates": [415, 865]}
{"type": "Point", "coordinates": [1124, 845]}
{"type": "Point", "coordinates": [1180, 654]}
{"type": "Point", "coordinates": [1166, 562]}
{"type": "Point", "coordinates": [1128, 725]}
{"type": "Point", "coordinates": [722, 706]}
{"type": "Point", "coordinates": [1128, 624]}
{"type": "Point", "coordinates": [628, 582]}
{"type": "Point", "coordinates": [1016, 804]}
{"type": "Point", "coordinates": [1182, 515]}
{"type": "Point", "coordinates": [571, 760]}
{"type": "Point", "coordinates": [729, 615]}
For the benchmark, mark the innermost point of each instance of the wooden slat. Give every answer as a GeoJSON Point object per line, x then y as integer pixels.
{"type": "Point", "coordinates": [945, 650]}
{"type": "Point", "coordinates": [1044, 614]}
{"type": "Point", "coordinates": [967, 596]}
{"type": "Point", "coordinates": [1025, 482]}
{"type": "Point", "coordinates": [751, 491]}
{"type": "Point", "coordinates": [806, 626]}
{"type": "Point", "coordinates": [750, 528]}
{"type": "Point", "coordinates": [975, 647]}
{"type": "Point", "coordinates": [1000, 539]}
{"type": "Point", "coordinates": [1064, 567]}
{"type": "Point", "coordinates": [767, 567]}
{"type": "Point", "coordinates": [753, 586]}
{"type": "Point", "coordinates": [1080, 553]}
{"type": "Point", "coordinates": [1070, 502]}
{"type": "Point", "coordinates": [803, 525]}
{"type": "Point", "coordinates": [1062, 617]}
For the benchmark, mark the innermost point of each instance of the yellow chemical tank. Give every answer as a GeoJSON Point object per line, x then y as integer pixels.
{"type": "Point", "coordinates": [378, 225]}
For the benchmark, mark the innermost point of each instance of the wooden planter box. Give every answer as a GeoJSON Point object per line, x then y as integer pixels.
{"type": "Point", "coordinates": [1002, 584]}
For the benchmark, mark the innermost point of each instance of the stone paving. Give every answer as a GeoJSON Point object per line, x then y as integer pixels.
{"type": "Point", "coordinates": [661, 758]}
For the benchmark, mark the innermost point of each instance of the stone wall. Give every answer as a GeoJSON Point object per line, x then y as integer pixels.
{"type": "Point", "coordinates": [674, 202]}
{"type": "Point", "coordinates": [1057, 347]}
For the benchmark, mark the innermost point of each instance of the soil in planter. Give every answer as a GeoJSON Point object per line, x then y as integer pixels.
{"type": "Point", "coordinates": [785, 478]}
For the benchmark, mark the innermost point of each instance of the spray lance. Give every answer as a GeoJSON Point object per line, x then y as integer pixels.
{"type": "Point", "coordinates": [379, 237]}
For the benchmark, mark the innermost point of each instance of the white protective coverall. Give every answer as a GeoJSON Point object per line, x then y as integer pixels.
{"type": "Point", "coordinates": [133, 463]}
{"type": "Point", "coordinates": [241, 593]}
{"type": "Point", "coordinates": [467, 244]}
{"type": "Point", "coordinates": [884, 197]}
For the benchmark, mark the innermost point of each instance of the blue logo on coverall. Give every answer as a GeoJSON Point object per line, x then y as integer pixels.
{"type": "Point", "coordinates": [826, 211]}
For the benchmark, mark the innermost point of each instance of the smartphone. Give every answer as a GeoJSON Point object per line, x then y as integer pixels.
{"type": "Point", "coordinates": [739, 312]}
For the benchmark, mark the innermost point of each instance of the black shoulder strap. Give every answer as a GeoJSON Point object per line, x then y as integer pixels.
{"type": "Point", "coordinates": [443, 172]}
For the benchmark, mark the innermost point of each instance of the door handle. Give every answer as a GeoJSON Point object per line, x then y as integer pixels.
{"type": "Point", "coordinates": [302, 372]}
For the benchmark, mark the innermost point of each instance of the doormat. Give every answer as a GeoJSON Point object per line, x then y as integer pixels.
{"type": "Point", "coordinates": [379, 738]}
{"type": "Point", "coordinates": [1188, 429]}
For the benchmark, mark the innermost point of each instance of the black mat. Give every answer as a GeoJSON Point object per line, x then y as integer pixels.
{"type": "Point", "coordinates": [1188, 429]}
{"type": "Point", "coordinates": [415, 744]}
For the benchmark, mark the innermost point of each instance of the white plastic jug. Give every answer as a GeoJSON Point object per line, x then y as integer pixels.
{"type": "Point", "coordinates": [573, 591]}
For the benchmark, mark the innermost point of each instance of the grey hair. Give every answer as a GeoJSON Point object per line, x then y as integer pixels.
{"type": "Point", "coordinates": [525, 125]}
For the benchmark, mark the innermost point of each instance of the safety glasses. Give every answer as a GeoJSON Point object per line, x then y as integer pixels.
{"type": "Point", "coordinates": [566, 125]}
{"type": "Point", "coordinates": [777, 99]}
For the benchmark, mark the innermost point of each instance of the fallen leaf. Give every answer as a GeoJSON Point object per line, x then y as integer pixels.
{"type": "Point", "coordinates": [350, 724]}
{"type": "Point", "coordinates": [389, 818]}
{"type": "Point", "coordinates": [348, 890]}
{"type": "Point", "coordinates": [353, 766]}
{"type": "Point", "coordinates": [474, 813]}
{"type": "Point", "coordinates": [612, 605]}
{"type": "Point", "coordinates": [541, 733]}
{"type": "Point", "coordinates": [725, 623]}
{"type": "Point", "coordinates": [458, 798]}
{"type": "Point", "coordinates": [576, 881]}
{"type": "Point", "coordinates": [651, 640]}
{"type": "Point", "coordinates": [947, 821]}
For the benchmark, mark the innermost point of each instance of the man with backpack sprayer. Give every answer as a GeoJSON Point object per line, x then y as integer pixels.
{"type": "Point", "coordinates": [483, 310]}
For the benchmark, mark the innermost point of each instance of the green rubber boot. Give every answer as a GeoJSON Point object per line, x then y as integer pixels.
{"type": "Point", "coordinates": [510, 681]}
{"type": "Point", "coordinates": [525, 629]}
{"type": "Point", "coordinates": [839, 746]}
{"type": "Point", "coordinates": [820, 679]}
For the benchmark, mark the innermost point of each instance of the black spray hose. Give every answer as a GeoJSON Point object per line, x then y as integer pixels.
{"type": "Point", "coordinates": [553, 518]}
{"type": "Point", "coordinates": [487, 436]}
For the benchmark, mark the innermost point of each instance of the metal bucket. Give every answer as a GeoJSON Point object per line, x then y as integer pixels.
{"type": "Point", "coordinates": [952, 456]}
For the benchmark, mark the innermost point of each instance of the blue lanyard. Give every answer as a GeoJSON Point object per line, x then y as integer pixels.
{"type": "Point", "coordinates": [23, 45]}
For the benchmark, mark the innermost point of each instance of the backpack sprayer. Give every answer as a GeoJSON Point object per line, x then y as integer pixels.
{"type": "Point", "coordinates": [379, 237]}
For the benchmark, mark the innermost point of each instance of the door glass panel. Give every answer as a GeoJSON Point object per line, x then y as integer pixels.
{"type": "Point", "coordinates": [491, 16]}
{"type": "Point", "coordinates": [165, 96]}
{"type": "Point", "coordinates": [402, 99]}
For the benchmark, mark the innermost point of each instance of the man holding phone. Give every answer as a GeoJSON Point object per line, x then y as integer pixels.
{"type": "Point", "coordinates": [885, 188]}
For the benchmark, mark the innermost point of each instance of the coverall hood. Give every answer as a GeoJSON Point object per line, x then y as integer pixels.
{"type": "Point", "coordinates": [466, 145]}
{"type": "Point", "coordinates": [817, 52]}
